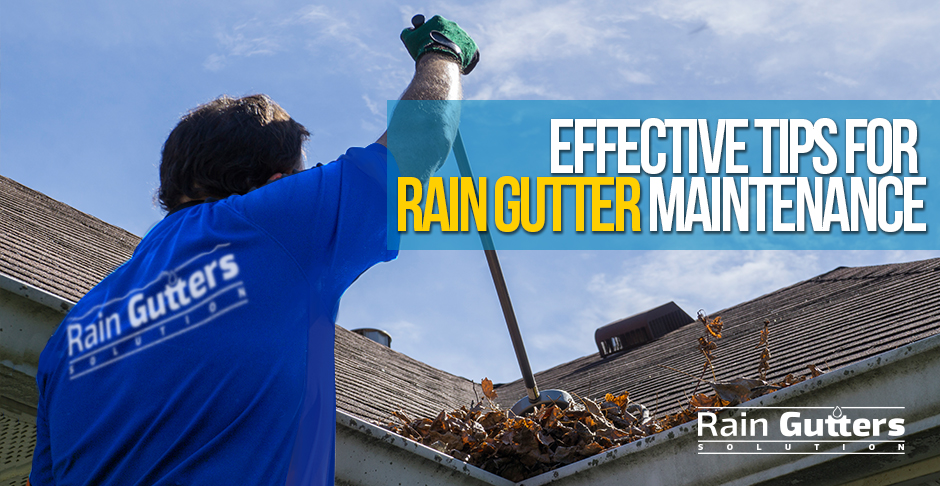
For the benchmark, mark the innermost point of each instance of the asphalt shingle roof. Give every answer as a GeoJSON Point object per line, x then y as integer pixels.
{"type": "Point", "coordinates": [55, 247]}
{"type": "Point", "coordinates": [832, 320]}
{"type": "Point", "coordinates": [372, 381]}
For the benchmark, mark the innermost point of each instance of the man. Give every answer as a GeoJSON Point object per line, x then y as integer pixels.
{"type": "Point", "coordinates": [207, 358]}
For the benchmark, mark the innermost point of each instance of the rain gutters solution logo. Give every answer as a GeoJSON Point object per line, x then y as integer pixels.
{"type": "Point", "coordinates": [800, 430]}
{"type": "Point", "coordinates": [175, 302]}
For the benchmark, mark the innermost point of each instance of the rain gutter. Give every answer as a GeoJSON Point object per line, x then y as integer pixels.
{"type": "Point", "coordinates": [904, 377]}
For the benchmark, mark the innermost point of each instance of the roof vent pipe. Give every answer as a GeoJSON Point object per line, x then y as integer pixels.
{"type": "Point", "coordinates": [377, 335]}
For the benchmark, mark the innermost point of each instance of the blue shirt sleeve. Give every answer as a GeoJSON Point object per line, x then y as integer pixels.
{"type": "Point", "coordinates": [331, 219]}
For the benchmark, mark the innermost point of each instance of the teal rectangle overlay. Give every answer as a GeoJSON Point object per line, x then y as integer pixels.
{"type": "Point", "coordinates": [802, 192]}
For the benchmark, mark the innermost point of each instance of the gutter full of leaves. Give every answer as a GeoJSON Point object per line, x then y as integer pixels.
{"type": "Point", "coordinates": [518, 448]}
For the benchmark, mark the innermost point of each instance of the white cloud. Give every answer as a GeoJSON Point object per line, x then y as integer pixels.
{"type": "Point", "coordinates": [375, 108]}
{"type": "Point", "coordinates": [317, 28]}
{"type": "Point", "coordinates": [214, 62]}
{"type": "Point", "coordinates": [783, 46]}
{"type": "Point", "coordinates": [239, 45]}
{"type": "Point", "coordinates": [510, 87]}
{"type": "Point", "coordinates": [405, 331]}
{"type": "Point", "coordinates": [528, 48]}
{"type": "Point", "coordinates": [711, 280]}
{"type": "Point", "coordinates": [701, 49]}
{"type": "Point", "coordinates": [731, 18]}
{"type": "Point", "coordinates": [316, 13]}
{"type": "Point", "coordinates": [635, 77]}
{"type": "Point", "coordinates": [331, 29]}
{"type": "Point", "coordinates": [839, 79]}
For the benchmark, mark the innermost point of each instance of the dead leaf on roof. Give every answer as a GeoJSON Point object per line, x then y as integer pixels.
{"type": "Point", "coordinates": [621, 400]}
{"type": "Point", "coordinates": [764, 334]}
{"type": "Point", "coordinates": [488, 391]}
{"type": "Point", "coordinates": [701, 400]}
{"type": "Point", "coordinates": [738, 390]}
{"type": "Point", "coordinates": [714, 327]}
{"type": "Point", "coordinates": [814, 370]}
{"type": "Point", "coordinates": [591, 406]}
{"type": "Point", "coordinates": [401, 416]}
{"type": "Point", "coordinates": [763, 365]}
{"type": "Point", "coordinates": [791, 380]}
{"type": "Point", "coordinates": [706, 346]}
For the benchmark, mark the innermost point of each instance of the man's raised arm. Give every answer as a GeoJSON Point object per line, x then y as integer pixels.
{"type": "Point", "coordinates": [424, 123]}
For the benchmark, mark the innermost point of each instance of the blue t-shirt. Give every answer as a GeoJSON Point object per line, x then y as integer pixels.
{"type": "Point", "coordinates": [207, 358]}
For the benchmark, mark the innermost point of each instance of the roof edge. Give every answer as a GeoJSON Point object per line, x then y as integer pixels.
{"type": "Point", "coordinates": [35, 294]}
{"type": "Point", "coordinates": [897, 376]}
{"type": "Point", "coordinates": [365, 452]}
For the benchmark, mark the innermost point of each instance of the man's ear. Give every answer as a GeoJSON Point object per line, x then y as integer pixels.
{"type": "Point", "coordinates": [276, 177]}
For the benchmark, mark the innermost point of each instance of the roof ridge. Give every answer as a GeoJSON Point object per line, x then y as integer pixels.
{"type": "Point", "coordinates": [872, 271]}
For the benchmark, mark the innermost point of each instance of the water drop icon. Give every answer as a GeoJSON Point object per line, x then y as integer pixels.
{"type": "Point", "coordinates": [837, 412]}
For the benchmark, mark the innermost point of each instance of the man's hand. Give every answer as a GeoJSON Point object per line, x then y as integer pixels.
{"type": "Point", "coordinates": [425, 121]}
{"type": "Point", "coordinates": [440, 35]}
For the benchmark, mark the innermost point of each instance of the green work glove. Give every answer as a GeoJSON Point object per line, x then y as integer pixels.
{"type": "Point", "coordinates": [441, 35]}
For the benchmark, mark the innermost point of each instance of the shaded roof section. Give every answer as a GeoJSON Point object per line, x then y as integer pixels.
{"type": "Point", "coordinates": [372, 381]}
{"type": "Point", "coordinates": [55, 247]}
{"type": "Point", "coordinates": [832, 320]}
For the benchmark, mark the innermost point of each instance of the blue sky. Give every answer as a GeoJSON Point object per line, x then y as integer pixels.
{"type": "Point", "coordinates": [90, 90]}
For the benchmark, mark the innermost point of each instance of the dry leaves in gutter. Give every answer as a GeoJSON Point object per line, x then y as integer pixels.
{"type": "Point", "coordinates": [518, 448]}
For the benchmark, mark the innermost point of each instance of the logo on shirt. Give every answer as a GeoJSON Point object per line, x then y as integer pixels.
{"type": "Point", "coordinates": [177, 301]}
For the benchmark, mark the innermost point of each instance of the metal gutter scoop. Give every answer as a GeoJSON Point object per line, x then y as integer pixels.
{"type": "Point", "coordinates": [535, 398]}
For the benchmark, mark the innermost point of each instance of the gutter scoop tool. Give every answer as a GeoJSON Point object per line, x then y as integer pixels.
{"type": "Point", "coordinates": [534, 397]}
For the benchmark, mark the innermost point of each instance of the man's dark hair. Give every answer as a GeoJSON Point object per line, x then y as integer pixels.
{"type": "Point", "coordinates": [228, 146]}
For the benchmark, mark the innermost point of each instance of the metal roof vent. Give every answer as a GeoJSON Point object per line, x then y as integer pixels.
{"type": "Point", "coordinates": [377, 335]}
{"type": "Point", "coordinates": [639, 329]}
